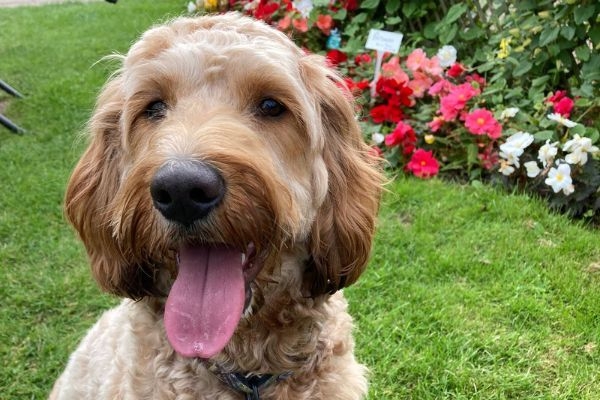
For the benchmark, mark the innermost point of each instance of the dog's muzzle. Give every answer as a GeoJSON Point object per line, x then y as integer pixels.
{"type": "Point", "coordinates": [186, 191]}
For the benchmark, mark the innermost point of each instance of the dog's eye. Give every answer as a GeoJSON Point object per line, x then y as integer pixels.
{"type": "Point", "coordinates": [270, 108]}
{"type": "Point", "coordinates": [156, 110]}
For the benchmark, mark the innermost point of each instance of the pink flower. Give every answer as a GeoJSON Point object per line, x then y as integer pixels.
{"type": "Point", "coordinates": [392, 69]}
{"type": "Point", "coordinates": [441, 88]}
{"type": "Point", "coordinates": [419, 84]}
{"type": "Point", "coordinates": [325, 23]}
{"type": "Point", "coordinates": [564, 107]}
{"type": "Point", "coordinates": [423, 165]}
{"type": "Point", "coordinates": [432, 66]}
{"type": "Point", "coordinates": [284, 23]}
{"type": "Point", "coordinates": [416, 60]}
{"type": "Point", "coordinates": [482, 122]}
{"type": "Point", "coordinates": [452, 104]}
{"type": "Point", "coordinates": [301, 24]}
{"type": "Point", "coordinates": [436, 124]}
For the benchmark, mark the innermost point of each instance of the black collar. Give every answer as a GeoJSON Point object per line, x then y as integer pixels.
{"type": "Point", "coordinates": [248, 384]}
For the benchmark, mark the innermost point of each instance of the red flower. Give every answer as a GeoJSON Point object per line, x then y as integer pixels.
{"type": "Point", "coordinates": [394, 92]}
{"type": "Point", "coordinates": [362, 58]}
{"type": "Point", "coordinates": [423, 165]}
{"type": "Point", "coordinates": [455, 70]}
{"type": "Point", "coordinates": [386, 113]}
{"type": "Point", "coordinates": [334, 57]}
{"type": "Point", "coordinates": [350, 5]}
{"type": "Point", "coordinates": [403, 135]}
{"type": "Point", "coordinates": [325, 23]}
{"type": "Point", "coordinates": [564, 106]}
{"type": "Point", "coordinates": [265, 10]}
{"type": "Point", "coordinates": [557, 96]}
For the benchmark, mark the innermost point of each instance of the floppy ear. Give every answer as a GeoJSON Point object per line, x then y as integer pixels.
{"type": "Point", "coordinates": [341, 236]}
{"type": "Point", "coordinates": [92, 187]}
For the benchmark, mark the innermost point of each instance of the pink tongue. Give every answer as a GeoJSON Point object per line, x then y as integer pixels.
{"type": "Point", "coordinates": [206, 301]}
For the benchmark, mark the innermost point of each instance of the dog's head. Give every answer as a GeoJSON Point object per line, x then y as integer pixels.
{"type": "Point", "coordinates": [216, 148]}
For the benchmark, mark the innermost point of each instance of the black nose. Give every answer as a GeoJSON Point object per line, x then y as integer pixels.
{"type": "Point", "coordinates": [186, 191]}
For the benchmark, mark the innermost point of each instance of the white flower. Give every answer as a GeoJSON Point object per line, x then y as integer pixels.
{"type": "Point", "coordinates": [506, 168]}
{"type": "Point", "coordinates": [304, 7]}
{"type": "Point", "coordinates": [561, 120]}
{"type": "Point", "coordinates": [191, 7]}
{"type": "Point", "coordinates": [579, 147]}
{"type": "Point", "coordinates": [377, 138]}
{"type": "Point", "coordinates": [516, 144]}
{"type": "Point", "coordinates": [447, 56]}
{"type": "Point", "coordinates": [577, 157]}
{"type": "Point", "coordinates": [547, 153]}
{"type": "Point", "coordinates": [511, 158]}
{"type": "Point", "coordinates": [532, 169]}
{"type": "Point", "coordinates": [509, 112]}
{"type": "Point", "coordinates": [560, 179]}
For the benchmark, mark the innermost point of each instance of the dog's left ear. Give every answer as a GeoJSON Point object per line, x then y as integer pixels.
{"type": "Point", "coordinates": [342, 233]}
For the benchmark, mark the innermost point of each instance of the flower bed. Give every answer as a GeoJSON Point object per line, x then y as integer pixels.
{"type": "Point", "coordinates": [503, 93]}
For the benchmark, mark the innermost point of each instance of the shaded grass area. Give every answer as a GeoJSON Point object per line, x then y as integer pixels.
{"type": "Point", "coordinates": [471, 293]}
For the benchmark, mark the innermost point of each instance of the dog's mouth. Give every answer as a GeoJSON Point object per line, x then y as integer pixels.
{"type": "Point", "coordinates": [208, 298]}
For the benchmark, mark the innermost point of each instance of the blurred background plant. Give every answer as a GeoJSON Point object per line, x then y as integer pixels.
{"type": "Point", "coordinates": [479, 92]}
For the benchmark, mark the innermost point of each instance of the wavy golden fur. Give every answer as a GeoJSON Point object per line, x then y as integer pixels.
{"type": "Point", "coordinates": [301, 187]}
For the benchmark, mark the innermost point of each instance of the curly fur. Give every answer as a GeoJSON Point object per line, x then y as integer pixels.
{"type": "Point", "coordinates": [307, 198]}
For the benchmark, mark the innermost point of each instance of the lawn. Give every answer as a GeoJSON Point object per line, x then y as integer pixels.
{"type": "Point", "coordinates": [471, 293]}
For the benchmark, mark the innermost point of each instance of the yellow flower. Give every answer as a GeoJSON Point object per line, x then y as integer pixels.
{"type": "Point", "coordinates": [211, 5]}
{"type": "Point", "coordinates": [504, 48]}
{"type": "Point", "coordinates": [429, 139]}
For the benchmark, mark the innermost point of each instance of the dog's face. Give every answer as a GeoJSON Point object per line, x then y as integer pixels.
{"type": "Point", "coordinates": [217, 148]}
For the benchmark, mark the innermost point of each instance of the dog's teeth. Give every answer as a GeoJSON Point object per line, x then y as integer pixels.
{"type": "Point", "coordinates": [243, 258]}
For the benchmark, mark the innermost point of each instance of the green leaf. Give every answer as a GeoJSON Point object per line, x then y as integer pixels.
{"type": "Point", "coordinates": [594, 33]}
{"type": "Point", "coordinates": [539, 82]}
{"type": "Point", "coordinates": [472, 152]}
{"type": "Point", "coordinates": [429, 31]}
{"type": "Point", "coordinates": [578, 130]}
{"type": "Point", "coordinates": [409, 8]}
{"type": "Point", "coordinates": [392, 6]}
{"type": "Point", "coordinates": [522, 68]}
{"type": "Point", "coordinates": [393, 20]}
{"type": "Point", "coordinates": [369, 4]}
{"type": "Point", "coordinates": [320, 3]}
{"type": "Point", "coordinates": [549, 35]}
{"type": "Point", "coordinates": [583, 13]}
{"type": "Point", "coordinates": [448, 33]}
{"type": "Point", "coordinates": [542, 136]}
{"type": "Point", "coordinates": [341, 14]}
{"type": "Point", "coordinates": [568, 32]}
{"type": "Point", "coordinates": [582, 53]}
{"type": "Point", "coordinates": [593, 134]}
{"type": "Point", "coordinates": [591, 69]}
{"type": "Point", "coordinates": [359, 18]}
{"type": "Point", "coordinates": [471, 33]}
{"type": "Point", "coordinates": [455, 12]}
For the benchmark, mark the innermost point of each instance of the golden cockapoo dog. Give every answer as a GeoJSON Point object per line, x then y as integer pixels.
{"type": "Point", "coordinates": [227, 194]}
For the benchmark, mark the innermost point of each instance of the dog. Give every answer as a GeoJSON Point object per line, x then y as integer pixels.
{"type": "Point", "coordinates": [227, 195]}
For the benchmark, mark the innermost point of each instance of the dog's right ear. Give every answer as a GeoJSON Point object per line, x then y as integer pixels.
{"type": "Point", "coordinates": [90, 191]}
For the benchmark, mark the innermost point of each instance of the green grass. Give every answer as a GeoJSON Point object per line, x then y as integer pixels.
{"type": "Point", "coordinates": [471, 293]}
